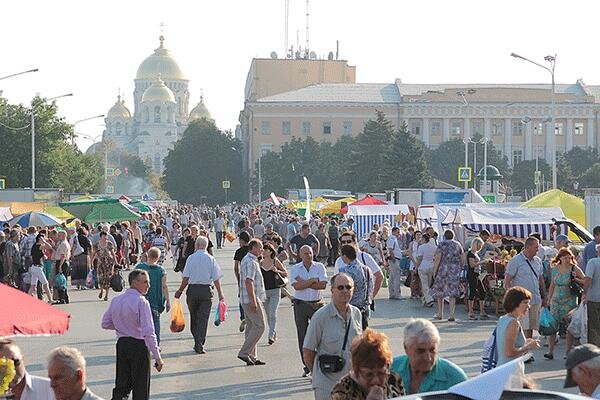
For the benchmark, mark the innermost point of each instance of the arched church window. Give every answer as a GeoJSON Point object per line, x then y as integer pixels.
{"type": "Point", "coordinates": [180, 105]}
{"type": "Point", "coordinates": [146, 115]}
{"type": "Point", "coordinates": [157, 114]}
{"type": "Point", "coordinates": [157, 161]}
{"type": "Point", "coordinates": [169, 114]}
{"type": "Point", "coordinates": [118, 129]}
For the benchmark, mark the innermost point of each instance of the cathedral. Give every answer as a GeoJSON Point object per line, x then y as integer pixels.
{"type": "Point", "coordinates": [160, 111]}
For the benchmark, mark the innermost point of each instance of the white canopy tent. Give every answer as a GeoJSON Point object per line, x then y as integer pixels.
{"type": "Point", "coordinates": [366, 216]}
{"type": "Point", "coordinates": [5, 214]}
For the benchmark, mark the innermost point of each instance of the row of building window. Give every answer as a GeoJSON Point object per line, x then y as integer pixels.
{"type": "Point", "coordinates": [306, 128]}
{"type": "Point", "coordinates": [497, 128]}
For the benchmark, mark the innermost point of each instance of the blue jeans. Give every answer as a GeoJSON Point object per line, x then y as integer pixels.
{"type": "Point", "coordinates": [156, 319]}
{"type": "Point", "coordinates": [271, 305]}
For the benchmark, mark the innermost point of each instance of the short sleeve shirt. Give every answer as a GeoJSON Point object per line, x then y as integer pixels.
{"type": "Point", "coordinates": [316, 270]}
{"type": "Point", "coordinates": [325, 335]}
{"type": "Point", "coordinates": [250, 269]}
{"type": "Point", "coordinates": [363, 258]}
{"type": "Point", "coordinates": [202, 269]}
{"type": "Point", "coordinates": [299, 241]}
{"type": "Point", "coordinates": [522, 275]}
{"type": "Point", "coordinates": [593, 271]}
{"type": "Point", "coordinates": [427, 251]}
{"type": "Point", "coordinates": [240, 253]}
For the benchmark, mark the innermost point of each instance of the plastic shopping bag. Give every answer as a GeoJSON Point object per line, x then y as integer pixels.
{"type": "Point", "coordinates": [89, 280]}
{"type": "Point", "coordinates": [177, 318]}
{"type": "Point", "coordinates": [578, 325]}
{"type": "Point", "coordinates": [220, 313]}
{"type": "Point", "coordinates": [548, 324]}
{"type": "Point", "coordinates": [229, 236]}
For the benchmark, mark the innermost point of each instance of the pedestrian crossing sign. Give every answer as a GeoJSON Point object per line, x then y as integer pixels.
{"type": "Point", "coordinates": [464, 174]}
{"type": "Point", "coordinates": [2, 183]}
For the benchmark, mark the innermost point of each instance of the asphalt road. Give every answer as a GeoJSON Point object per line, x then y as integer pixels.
{"type": "Point", "coordinates": [220, 375]}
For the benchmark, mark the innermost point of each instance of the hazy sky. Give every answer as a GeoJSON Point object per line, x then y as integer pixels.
{"type": "Point", "coordinates": [94, 48]}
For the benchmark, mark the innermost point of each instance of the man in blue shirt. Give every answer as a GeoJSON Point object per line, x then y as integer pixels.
{"type": "Point", "coordinates": [589, 251]}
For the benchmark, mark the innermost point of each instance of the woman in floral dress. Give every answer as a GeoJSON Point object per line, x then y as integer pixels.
{"type": "Point", "coordinates": [447, 266]}
{"type": "Point", "coordinates": [105, 258]}
{"type": "Point", "coordinates": [561, 299]}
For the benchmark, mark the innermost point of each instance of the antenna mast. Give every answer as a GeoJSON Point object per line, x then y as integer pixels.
{"type": "Point", "coordinates": [307, 37]}
{"type": "Point", "coordinates": [287, 14]}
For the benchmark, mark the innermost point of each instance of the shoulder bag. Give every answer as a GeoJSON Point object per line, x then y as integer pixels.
{"type": "Point", "coordinates": [575, 287]}
{"type": "Point", "coordinates": [536, 277]}
{"type": "Point", "coordinates": [329, 363]}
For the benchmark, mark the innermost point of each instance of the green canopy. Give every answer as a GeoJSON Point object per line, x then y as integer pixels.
{"type": "Point", "coordinates": [99, 210]}
{"type": "Point", "coordinates": [141, 205]}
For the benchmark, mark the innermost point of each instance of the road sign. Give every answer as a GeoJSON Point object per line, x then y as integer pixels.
{"type": "Point", "coordinates": [464, 174]}
{"type": "Point", "coordinates": [110, 189]}
{"type": "Point", "coordinates": [489, 198]}
{"type": "Point", "coordinates": [226, 184]}
{"type": "Point", "coordinates": [117, 172]}
{"type": "Point", "coordinates": [2, 183]}
{"type": "Point", "coordinates": [537, 177]}
{"type": "Point", "coordinates": [110, 172]}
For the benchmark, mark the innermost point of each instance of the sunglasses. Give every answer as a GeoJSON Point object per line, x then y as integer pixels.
{"type": "Point", "coordinates": [346, 241]}
{"type": "Point", "coordinates": [342, 287]}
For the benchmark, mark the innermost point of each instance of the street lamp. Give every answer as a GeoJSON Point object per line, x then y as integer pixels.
{"type": "Point", "coordinates": [83, 120]}
{"type": "Point", "coordinates": [19, 73]}
{"type": "Point", "coordinates": [33, 136]}
{"type": "Point", "coordinates": [552, 61]}
{"type": "Point", "coordinates": [466, 140]}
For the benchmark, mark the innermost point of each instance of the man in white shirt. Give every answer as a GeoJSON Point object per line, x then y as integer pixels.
{"type": "Point", "coordinates": [394, 249]}
{"type": "Point", "coordinates": [349, 237]}
{"type": "Point", "coordinates": [308, 278]}
{"type": "Point", "coordinates": [424, 266]}
{"type": "Point", "coordinates": [23, 385]}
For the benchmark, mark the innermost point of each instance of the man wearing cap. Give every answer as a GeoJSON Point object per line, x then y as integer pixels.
{"type": "Point", "coordinates": [583, 370]}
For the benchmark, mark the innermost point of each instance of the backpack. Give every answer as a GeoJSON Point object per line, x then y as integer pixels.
{"type": "Point", "coordinates": [489, 355]}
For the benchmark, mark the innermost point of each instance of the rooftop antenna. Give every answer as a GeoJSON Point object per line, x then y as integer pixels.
{"type": "Point", "coordinates": [286, 19]}
{"type": "Point", "coordinates": [337, 49]}
{"type": "Point", "coordinates": [307, 47]}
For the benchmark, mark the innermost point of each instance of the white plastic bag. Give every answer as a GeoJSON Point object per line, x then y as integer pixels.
{"type": "Point", "coordinates": [578, 325]}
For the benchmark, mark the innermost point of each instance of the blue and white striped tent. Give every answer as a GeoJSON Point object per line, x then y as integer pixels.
{"type": "Point", "coordinates": [365, 216]}
{"type": "Point", "coordinates": [515, 222]}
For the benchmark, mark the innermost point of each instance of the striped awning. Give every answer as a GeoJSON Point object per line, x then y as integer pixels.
{"type": "Point", "coordinates": [520, 230]}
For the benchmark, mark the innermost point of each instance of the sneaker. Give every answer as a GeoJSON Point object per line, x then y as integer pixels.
{"type": "Point", "coordinates": [306, 373]}
{"type": "Point", "coordinates": [530, 360]}
{"type": "Point", "coordinates": [242, 325]}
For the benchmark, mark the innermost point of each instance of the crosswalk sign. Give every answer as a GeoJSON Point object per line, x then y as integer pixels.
{"type": "Point", "coordinates": [464, 174]}
{"type": "Point", "coordinates": [2, 183]}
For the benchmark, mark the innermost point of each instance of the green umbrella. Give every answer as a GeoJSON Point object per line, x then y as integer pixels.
{"type": "Point", "coordinates": [141, 205]}
{"type": "Point", "coordinates": [99, 210]}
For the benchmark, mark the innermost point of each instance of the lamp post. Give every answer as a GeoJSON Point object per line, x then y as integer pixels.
{"type": "Point", "coordinates": [259, 180]}
{"type": "Point", "coordinates": [83, 120]}
{"type": "Point", "coordinates": [19, 73]}
{"type": "Point", "coordinates": [552, 61]}
{"type": "Point", "coordinates": [466, 140]}
{"type": "Point", "coordinates": [33, 137]}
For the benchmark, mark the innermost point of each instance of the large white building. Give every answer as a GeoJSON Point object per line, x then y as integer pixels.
{"type": "Point", "coordinates": [160, 110]}
{"type": "Point", "coordinates": [514, 117]}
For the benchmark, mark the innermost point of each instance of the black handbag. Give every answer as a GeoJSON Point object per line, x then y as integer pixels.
{"type": "Point", "coordinates": [575, 287]}
{"type": "Point", "coordinates": [330, 363]}
{"type": "Point", "coordinates": [280, 281]}
{"type": "Point", "coordinates": [117, 282]}
{"type": "Point", "coordinates": [408, 279]}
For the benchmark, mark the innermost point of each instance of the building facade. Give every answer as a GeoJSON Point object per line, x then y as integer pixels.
{"type": "Point", "coordinates": [514, 117]}
{"type": "Point", "coordinates": [161, 115]}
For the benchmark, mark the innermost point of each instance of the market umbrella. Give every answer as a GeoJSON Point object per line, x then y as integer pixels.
{"type": "Point", "coordinates": [124, 198]}
{"type": "Point", "coordinates": [100, 210]}
{"type": "Point", "coordinates": [34, 218]}
{"type": "Point", "coordinates": [335, 206]}
{"type": "Point", "coordinates": [28, 315]}
{"type": "Point", "coordinates": [141, 205]}
{"type": "Point", "coordinates": [368, 200]}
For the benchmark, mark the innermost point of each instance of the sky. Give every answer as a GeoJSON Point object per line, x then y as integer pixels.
{"type": "Point", "coordinates": [93, 48]}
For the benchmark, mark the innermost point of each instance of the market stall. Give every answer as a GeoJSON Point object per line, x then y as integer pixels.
{"type": "Point", "coordinates": [365, 216]}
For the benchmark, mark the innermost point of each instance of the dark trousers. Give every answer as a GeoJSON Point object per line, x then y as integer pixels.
{"type": "Point", "coordinates": [219, 236]}
{"type": "Point", "coordinates": [593, 309]}
{"type": "Point", "coordinates": [303, 312]}
{"type": "Point", "coordinates": [133, 369]}
{"type": "Point", "coordinates": [333, 252]}
{"type": "Point", "coordinates": [199, 301]}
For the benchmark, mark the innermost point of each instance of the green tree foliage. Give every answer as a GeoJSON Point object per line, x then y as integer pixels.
{"type": "Point", "coordinates": [200, 161]}
{"type": "Point", "coordinates": [58, 163]}
{"type": "Point", "coordinates": [445, 160]}
{"type": "Point", "coordinates": [522, 180]}
{"type": "Point", "coordinates": [134, 164]}
{"type": "Point", "coordinates": [591, 178]}
{"type": "Point", "coordinates": [580, 159]}
{"type": "Point", "coordinates": [407, 162]}
{"type": "Point", "coordinates": [368, 164]}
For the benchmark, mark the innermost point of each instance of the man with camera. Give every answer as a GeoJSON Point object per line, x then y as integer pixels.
{"type": "Point", "coordinates": [329, 337]}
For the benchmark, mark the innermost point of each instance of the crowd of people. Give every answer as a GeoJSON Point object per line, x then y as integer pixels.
{"type": "Point", "coordinates": [282, 255]}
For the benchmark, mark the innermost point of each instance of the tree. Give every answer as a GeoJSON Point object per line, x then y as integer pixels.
{"type": "Point", "coordinates": [367, 164]}
{"type": "Point", "coordinates": [134, 164]}
{"type": "Point", "coordinates": [200, 161]}
{"type": "Point", "coordinates": [591, 177]}
{"type": "Point", "coordinates": [522, 180]}
{"type": "Point", "coordinates": [58, 163]}
{"type": "Point", "coordinates": [580, 159]}
{"type": "Point", "coordinates": [407, 162]}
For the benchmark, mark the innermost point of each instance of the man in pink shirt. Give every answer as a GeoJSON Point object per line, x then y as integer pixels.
{"type": "Point", "coordinates": [130, 316]}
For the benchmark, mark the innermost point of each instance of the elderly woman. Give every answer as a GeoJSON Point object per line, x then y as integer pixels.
{"type": "Point", "coordinates": [510, 338]}
{"type": "Point", "coordinates": [370, 376]}
{"type": "Point", "coordinates": [447, 266]}
{"type": "Point", "coordinates": [421, 369]}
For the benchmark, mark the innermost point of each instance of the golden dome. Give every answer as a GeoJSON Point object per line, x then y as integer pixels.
{"type": "Point", "coordinates": [158, 91]}
{"type": "Point", "coordinates": [160, 62]}
{"type": "Point", "coordinates": [118, 111]}
{"type": "Point", "coordinates": [200, 111]}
